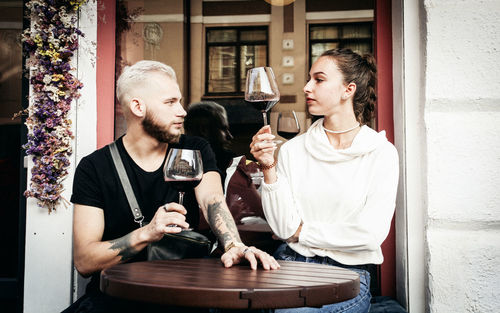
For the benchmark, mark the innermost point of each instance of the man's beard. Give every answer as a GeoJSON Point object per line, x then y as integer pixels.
{"type": "Point", "coordinates": [152, 128]}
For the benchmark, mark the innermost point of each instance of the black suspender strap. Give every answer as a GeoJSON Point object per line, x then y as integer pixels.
{"type": "Point", "coordinates": [129, 192]}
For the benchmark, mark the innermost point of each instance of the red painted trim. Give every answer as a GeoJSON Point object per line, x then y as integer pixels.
{"type": "Point", "coordinates": [106, 15]}
{"type": "Point", "coordinates": [385, 121]}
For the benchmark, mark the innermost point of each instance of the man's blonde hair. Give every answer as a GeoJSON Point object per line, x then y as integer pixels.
{"type": "Point", "coordinates": [136, 74]}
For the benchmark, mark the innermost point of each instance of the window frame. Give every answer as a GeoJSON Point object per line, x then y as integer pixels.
{"type": "Point", "coordinates": [340, 40]}
{"type": "Point", "coordinates": [237, 44]}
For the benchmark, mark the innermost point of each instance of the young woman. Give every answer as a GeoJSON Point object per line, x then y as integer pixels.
{"type": "Point", "coordinates": [331, 193]}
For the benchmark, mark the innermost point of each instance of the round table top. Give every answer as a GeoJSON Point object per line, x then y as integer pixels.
{"type": "Point", "coordinates": [207, 283]}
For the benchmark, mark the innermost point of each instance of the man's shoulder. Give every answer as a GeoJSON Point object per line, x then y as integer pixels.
{"type": "Point", "coordinates": [96, 158]}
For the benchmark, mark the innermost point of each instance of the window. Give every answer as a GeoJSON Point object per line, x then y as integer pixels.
{"type": "Point", "coordinates": [231, 51]}
{"type": "Point", "coordinates": [356, 36]}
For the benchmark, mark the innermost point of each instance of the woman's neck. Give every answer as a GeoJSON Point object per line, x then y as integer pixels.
{"type": "Point", "coordinates": [341, 130]}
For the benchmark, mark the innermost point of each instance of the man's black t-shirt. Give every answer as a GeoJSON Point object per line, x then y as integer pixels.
{"type": "Point", "coordinates": [96, 183]}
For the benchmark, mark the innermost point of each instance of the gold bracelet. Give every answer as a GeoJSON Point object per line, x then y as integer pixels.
{"type": "Point", "coordinates": [233, 244]}
{"type": "Point", "coordinates": [267, 167]}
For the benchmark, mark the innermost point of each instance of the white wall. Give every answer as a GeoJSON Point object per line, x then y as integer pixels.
{"type": "Point", "coordinates": [48, 277]}
{"type": "Point", "coordinates": [447, 120]}
{"type": "Point", "coordinates": [462, 120]}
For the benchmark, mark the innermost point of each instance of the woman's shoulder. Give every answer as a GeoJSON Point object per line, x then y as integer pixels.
{"type": "Point", "coordinates": [386, 152]}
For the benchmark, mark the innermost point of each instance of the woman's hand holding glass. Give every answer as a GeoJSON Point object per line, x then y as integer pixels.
{"type": "Point", "coordinates": [263, 146]}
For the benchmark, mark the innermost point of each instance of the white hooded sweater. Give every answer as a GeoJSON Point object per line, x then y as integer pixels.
{"type": "Point", "coordinates": [345, 198]}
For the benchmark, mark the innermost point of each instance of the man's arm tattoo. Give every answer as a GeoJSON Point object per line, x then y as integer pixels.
{"type": "Point", "coordinates": [222, 223]}
{"type": "Point", "coordinates": [123, 245]}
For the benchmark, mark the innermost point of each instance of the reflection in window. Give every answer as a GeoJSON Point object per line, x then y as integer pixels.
{"type": "Point", "coordinates": [222, 35]}
{"type": "Point", "coordinates": [230, 53]}
{"type": "Point", "coordinates": [324, 32]}
{"type": "Point", "coordinates": [250, 56]}
{"type": "Point", "coordinates": [355, 36]}
{"type": "Point", "coordinates": [222, 69]}
{"type": "Point", "coordinates": [318, 48]}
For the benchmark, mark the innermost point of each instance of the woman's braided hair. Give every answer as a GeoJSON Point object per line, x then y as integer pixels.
{"type": "Point", "coordinates": [362, 71]}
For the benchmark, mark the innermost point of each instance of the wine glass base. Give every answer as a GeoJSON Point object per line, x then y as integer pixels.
{"type": "Point", "coordinates": [184, 229]}
{"type": "Point", "coordinates": [276, 141]}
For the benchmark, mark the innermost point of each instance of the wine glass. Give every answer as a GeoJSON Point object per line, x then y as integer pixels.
{"type": "Point", "coordinates": [288, 125]}
{"type": "Point", "coordinates": [262, 89]}
{"type": "Point", "coordinates": [256, 176]}
{"type": "Point", "coordinates": [183, 169]}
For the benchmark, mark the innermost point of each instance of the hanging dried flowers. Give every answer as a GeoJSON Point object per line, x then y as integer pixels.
{"type": "Point", "coordinates": [49, 46]}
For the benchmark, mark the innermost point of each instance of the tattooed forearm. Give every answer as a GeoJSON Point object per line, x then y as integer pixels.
{"type": "Point", "coordinates": [222, 223]}
{"type": "Point", "coordinates": [123, 245]}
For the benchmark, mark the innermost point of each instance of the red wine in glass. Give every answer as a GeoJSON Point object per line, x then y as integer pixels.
{"type": "Point", "coordinates": [183, 184]}
{"type": "Point", "coordinates": [263, 105]}
{"type": "Point", "coordinates": [183, 169]}
{"type": "Point", "coordinates": [287, 135]}
{"type": "Point", "coordinates": [288, 125]}
{"type": "Point", "coordinates": [262, 89]}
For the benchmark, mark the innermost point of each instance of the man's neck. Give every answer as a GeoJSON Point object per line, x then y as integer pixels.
{"type": "Point", "coordinates": [146, 151]}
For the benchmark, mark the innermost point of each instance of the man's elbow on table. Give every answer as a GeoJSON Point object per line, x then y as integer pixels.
{"type": "Point", "coordinates": [83, 270]}
{"type": "Point", "coordinates": [83, 264]}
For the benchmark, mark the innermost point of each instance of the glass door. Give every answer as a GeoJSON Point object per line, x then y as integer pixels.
{"type": "Point", "coordinates": [13, 91]}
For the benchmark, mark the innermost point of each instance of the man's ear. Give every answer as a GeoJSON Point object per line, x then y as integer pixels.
{"type": "Point", "coordinates": [137, 107]}
{"type": "Point", "coordinates": [349, 91]}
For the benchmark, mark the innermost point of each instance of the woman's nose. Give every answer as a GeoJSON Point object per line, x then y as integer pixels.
{"type": "Point", "coordinates": [307, 87]}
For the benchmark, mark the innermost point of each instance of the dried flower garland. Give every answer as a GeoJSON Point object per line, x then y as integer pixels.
{"type": "Point", "coordinates": [49, 45]}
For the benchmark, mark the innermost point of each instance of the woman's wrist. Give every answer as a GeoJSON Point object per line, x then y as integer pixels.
{"type": "Point", "coordinates": [268, 167]}
{"type": "Point", "coordinates": [270, 175]}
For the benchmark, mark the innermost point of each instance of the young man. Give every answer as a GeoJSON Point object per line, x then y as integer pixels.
{"type": "Point", "coordinates": [104, 229]}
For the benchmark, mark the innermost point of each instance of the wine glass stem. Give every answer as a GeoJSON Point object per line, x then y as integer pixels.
{"type": "Point", "coordinates": [264, 116]}
{"type": "Point", "coordinates": [181, 197]}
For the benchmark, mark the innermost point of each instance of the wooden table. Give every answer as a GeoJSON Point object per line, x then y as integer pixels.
{"type": "Point", "coordinates": [260, 236]}
{"type": "Point", "coordinates": [206, 283]}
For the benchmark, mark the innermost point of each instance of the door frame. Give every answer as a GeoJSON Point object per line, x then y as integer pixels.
{"type": "Point", "coordinates": [13, 288]}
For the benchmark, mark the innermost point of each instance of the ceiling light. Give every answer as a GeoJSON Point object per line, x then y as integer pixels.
{"type": "Point", "coordinates": [279, 2]}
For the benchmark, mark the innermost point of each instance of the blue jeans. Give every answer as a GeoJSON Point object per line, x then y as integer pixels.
{"type": "Point", "coordinates": [359, 304]}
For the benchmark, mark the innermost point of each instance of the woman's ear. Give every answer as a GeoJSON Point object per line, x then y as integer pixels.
{"type": "Point", "coordinates": [349, 91]}
{"type": "Point", "coordinates": [137, 107]}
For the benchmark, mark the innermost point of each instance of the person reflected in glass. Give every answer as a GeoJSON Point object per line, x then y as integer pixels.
{"type": "Point", "coordinates": [331, 192]}
{"type": "Point", "coordinates": [208, 119]}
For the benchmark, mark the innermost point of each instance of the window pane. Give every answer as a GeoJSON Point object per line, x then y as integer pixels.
{"type": "Point", "coordinates": [318, 48]}
{"type": "Point", "coordinates": [221, 69]}
{"type": "Point", "coordinates": [253, 35]}
{"type": "Point", "coordinates": [356, 31]}
{"type": "Point", "coordinates": [359, 47]}
{"type": "Point", "coordinates": [324, 32]}
{"type": "Point", "coordinates": [251, 56]}
{"type": "Point", "coordinates": [221, 35]}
